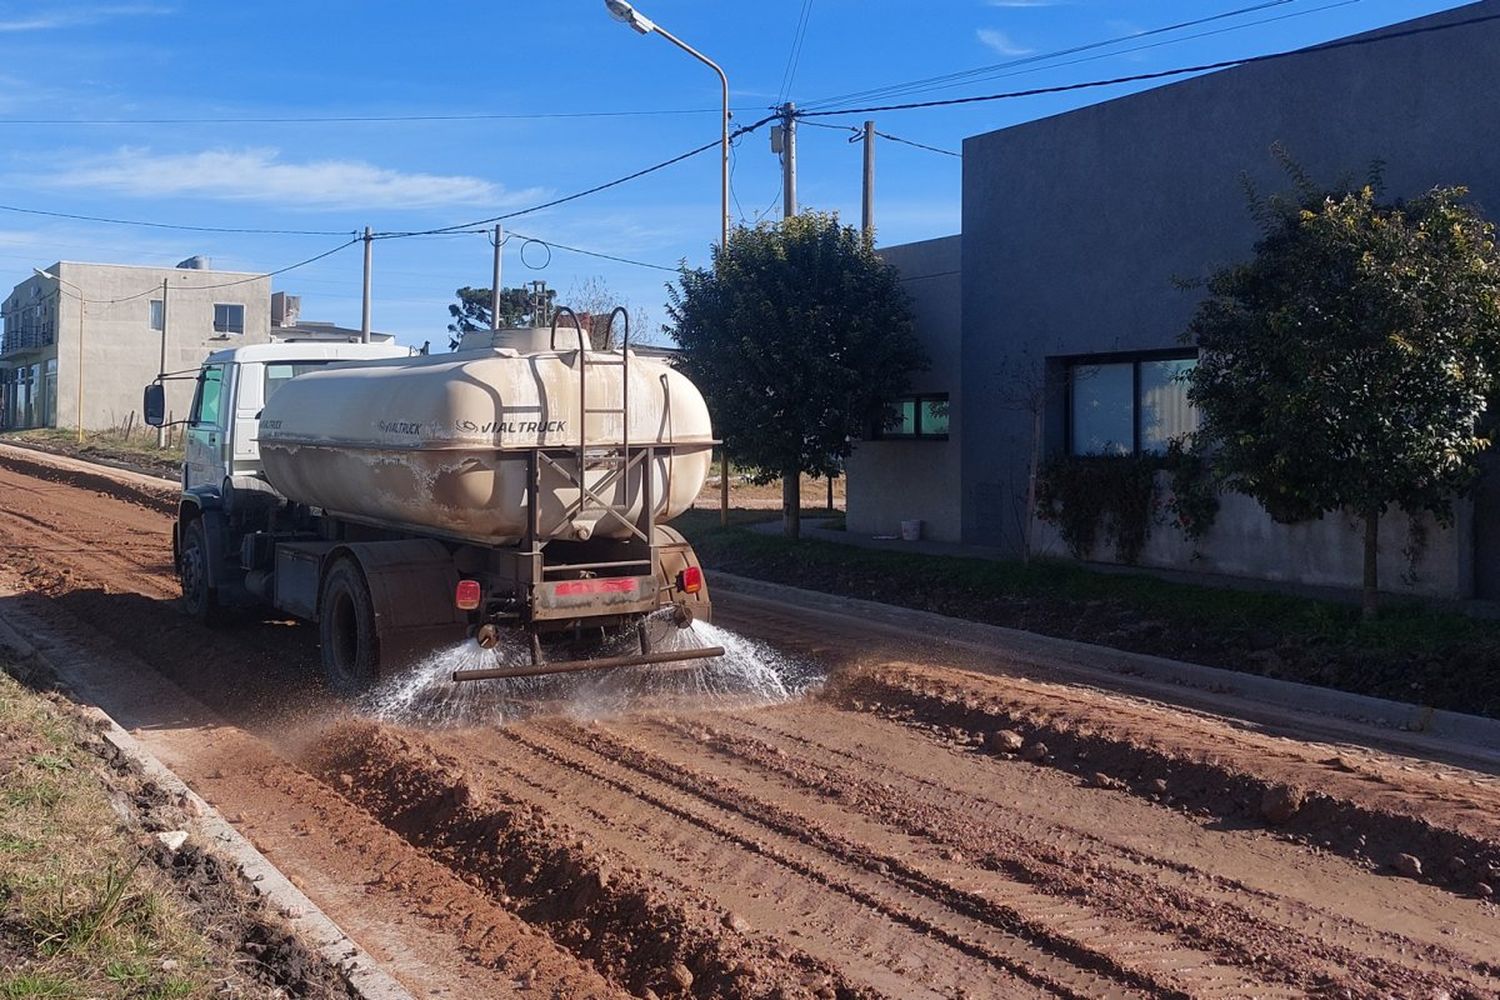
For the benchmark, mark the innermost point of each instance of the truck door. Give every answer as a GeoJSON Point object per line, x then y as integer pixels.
{"type": "Point", "coordinates": [204, 452]}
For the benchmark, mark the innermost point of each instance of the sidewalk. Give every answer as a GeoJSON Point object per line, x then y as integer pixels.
{"type": "Point", "coordinates": [812, 528]}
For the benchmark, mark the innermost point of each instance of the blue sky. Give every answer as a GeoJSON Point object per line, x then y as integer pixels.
{"type": "Point", "coordinates": [72, 62]}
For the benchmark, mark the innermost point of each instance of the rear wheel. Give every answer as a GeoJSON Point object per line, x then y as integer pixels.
{"type": "Point", "coordinates": [346, 629]}
{"type": "Point", "coordinates": [195, 573]}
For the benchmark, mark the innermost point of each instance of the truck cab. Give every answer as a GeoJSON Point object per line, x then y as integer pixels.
{"type": "Point", "coordinates": [221, 439]}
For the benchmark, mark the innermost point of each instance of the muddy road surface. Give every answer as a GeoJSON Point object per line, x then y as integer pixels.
{"type": "Point", "coordinates": [837, 811]}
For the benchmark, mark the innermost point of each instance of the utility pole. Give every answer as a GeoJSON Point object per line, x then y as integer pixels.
{"type": "Point", "coordinates": [791, 483]}
{"type": "Point", "coordinates": [495, 285]}
{"type": "Point", "coordinates": [161, 432]}
{"type": "Point", "coordinates": [364, 313]}
{"type": "Point", "coordinates": [788, 160]}
{"type": "Point", "coordinates": [867, 214]}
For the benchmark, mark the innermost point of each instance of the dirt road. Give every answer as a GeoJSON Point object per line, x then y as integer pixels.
{"type": "Point", "coordinates": [842, 812]}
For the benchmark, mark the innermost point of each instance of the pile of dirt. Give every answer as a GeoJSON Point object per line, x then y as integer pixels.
{"type": "Point", "coordinates": [162, 499]}
{"type": "Point", "coordinates": [1315, 812]}
{"type": "Point", "coordinates": [650, 941]}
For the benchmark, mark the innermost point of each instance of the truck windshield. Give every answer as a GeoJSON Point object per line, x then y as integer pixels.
{"type": "Point", "coordinates": [279, 374]}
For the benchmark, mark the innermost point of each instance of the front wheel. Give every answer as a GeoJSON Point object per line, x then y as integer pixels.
{"type": "Point", "coordinates": [195, 573]}
{"type": "Point", "coordinates": [346, 629]}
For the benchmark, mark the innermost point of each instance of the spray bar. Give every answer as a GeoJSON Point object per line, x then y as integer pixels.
{"type": "Point", "coordinates": [603, 663]}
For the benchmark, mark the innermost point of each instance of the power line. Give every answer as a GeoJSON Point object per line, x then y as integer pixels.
{"type": "Point", "coordinates": [1158, 74]}
{"type": "Point", "coordinates": [949, 79]}
{"type": "Point", "coordinates": [355, 119]}
{"type": "Point", "coordinates": [222, 284]}
{"type": "Point", "coordinates": [789, 74]}
{"type": "Point", "coordinates": [859, 133]}
{"type": "Point", "coordinates": [743, 130]}
{"type": "Point", "coordinates": [595, 253]}
{"type": "Point", "coordinates": [169, 225]}
{"type": "Point", "coordinates": [919, 145]}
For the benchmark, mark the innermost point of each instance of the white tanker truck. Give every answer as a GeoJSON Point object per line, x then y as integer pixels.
{"type": "Point", "coordinates": [515, 486]}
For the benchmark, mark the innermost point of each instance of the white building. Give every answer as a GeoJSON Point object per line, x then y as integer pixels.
{"type": "Point", "coordinates": [103, 329]}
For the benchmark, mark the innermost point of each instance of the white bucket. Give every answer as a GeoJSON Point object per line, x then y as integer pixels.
{"type": "Point", "coordinates": [911, 531]}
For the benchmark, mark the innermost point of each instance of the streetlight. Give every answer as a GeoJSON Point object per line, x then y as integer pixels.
{"type": "Point", "coordinates": [623, 11]}
{"type": "Point", "coordinates": [81, 305]}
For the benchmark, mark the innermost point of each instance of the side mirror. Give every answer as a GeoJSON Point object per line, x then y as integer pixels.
{"type": "Point", "coordinates": [154, 404]}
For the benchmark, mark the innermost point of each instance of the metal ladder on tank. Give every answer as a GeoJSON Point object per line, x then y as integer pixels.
{"type": "Point", "coordinates": [618, 460]}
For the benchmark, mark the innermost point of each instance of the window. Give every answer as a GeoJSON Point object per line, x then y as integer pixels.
{"type": "Point", "coordinates": [229, 318]}
{"type": "Point", "coordinates": [158, 314]}
{"type": "Point", "coordinates": [1129, 406]}
{"type": "Point", "coordinates": [279, 375]}
{"type": "Point", "coordinates": [915, 417]}
{"type": "Point", "coordinates": [206, 399]}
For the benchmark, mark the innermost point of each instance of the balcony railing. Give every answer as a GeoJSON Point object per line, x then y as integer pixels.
{"type": "Point", "coordinates": [26, 336]}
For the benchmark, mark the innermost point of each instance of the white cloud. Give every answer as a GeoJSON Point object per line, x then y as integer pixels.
{"type": "Point", "coordinates": [1001, 43]}
{"type": "Point", "coordinates": [50, 19]}
{"type": "Point", "coordinates": [258, 174]}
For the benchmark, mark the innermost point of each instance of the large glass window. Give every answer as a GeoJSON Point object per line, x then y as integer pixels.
{"type": "Point", "coordinates": [207, 399]}
{"type": "Point", "coordinates": [1165, 413]}
{"type": "Point", "coordinates": [1129, 406]}
{"type": "Point", "coordinates": [1103, 417]}
{"type": "Point", "coordinates": [917, 417]}
{"type": "Point", "coordinates": [229, 317]}
{"type": "Point", "coordinates": [279, 375]}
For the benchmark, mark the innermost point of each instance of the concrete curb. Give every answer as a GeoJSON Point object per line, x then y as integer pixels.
{"type": "Point", "coordinates": [1474, 732]}
{"type": "Point", "coordinates": [364, 974]}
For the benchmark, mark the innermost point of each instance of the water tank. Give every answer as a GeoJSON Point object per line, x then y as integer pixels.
{"type": "Point", "coordinates": [441, 443]}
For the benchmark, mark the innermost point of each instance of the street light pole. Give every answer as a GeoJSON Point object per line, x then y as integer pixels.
{"type": "Point", "coordinates": [623, 11]}
{"type": "Point", "coordinates": [82, 305]}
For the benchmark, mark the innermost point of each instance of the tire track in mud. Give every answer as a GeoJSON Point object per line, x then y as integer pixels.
{"type": "Point", "coordinates": [881, 886]}
{"type": "Point", "coordinates": [1219, 922]}
{"type": "Point", "coordinates": [1078, 817]}
{"type": "Point", "coordinates": [1153, 769]}
{"type": "Point", "coordinates": [614, 917]}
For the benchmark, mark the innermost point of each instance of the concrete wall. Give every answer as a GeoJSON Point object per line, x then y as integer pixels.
{"type": "Point", "coordinates": [1328, 552]}
{"type": "Point", "coordinates": [891, 481]}
{"type": "Point", "coordinates": [1075, 227]}
{"type": "Point", "coordinates": [121, 353]}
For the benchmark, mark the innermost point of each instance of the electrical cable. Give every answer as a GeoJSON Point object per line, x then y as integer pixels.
{"type": "Point", "coordinates": [947, 79]}
{"type": "Point", "coordinates": [858, 134]}
{"type": "Point", "coordinates": [1158, 74]}
{"type": "Point", "coordinates": [354, 119]}
{"type": "Point", "coordinates": [789, 74]}
{"type": "Point", "coordinates": [919, 145]}
{"type": "Point", "coordinates": [742, 130]}
{"type": "Point", "coordinates": [182, 228]}
{"type": "Point", "coordinates": [222, 284]}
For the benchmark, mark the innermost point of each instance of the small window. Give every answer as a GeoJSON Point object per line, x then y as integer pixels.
{"type": "Point", "coordinates": [279, 375]}
{"type": "Point", "coordinates": [915, 418]}
{"type": "Point", "coordinates": [206, 399]}
{"type": "Point", "coordinates": [158, 314]}
{"type": "Point", "coordinates": [1129, 407]}
{"type": "Point", "coordinates": [229, 318]}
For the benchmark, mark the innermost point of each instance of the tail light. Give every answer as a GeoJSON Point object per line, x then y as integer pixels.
{"type": "Point", "coordinates": [690, 580]}
{"type": "Point", "coordinates": [466, 595]}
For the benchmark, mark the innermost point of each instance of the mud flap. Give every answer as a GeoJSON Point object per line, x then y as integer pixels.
{"type": "Point", "coordinates": [411, 586]}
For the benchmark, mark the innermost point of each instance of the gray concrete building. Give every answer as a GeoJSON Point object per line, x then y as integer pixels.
{"type": "Point", "coordinates": [1063, 331]}
{"type": "Point", "coordinates": [82, 340]}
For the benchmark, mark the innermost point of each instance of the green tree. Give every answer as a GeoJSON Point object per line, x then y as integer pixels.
{"type": "Point", "coordinates": [1348, 365]}
{"type": "Point", "coordinates": [472, 310]}
{"type": "Point", "coordinates": [798, 337]}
